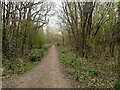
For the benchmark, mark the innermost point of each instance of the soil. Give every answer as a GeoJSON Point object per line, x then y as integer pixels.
{"type": "Point", "coordinates": [49, 73]}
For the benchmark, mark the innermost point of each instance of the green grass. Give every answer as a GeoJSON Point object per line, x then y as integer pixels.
{"type": "Point", "coordinates": [90, 73]}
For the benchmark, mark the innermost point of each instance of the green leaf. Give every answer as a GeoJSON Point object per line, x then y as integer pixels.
{"type": "Point", "coordinates": [96, 14]}
{"type": "Point", "coordinates": [99, 17]}
{"type": "Point", "coordinates": [101, 12]}
{"type": "Point", "coordinates": [111, 16]}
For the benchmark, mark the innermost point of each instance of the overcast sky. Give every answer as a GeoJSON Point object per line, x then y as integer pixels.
{"type": "Point", "coordinates": [54, 18]}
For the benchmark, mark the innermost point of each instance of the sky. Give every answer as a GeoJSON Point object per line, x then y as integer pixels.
{"type": "Point", "coordinates": [53, 19]}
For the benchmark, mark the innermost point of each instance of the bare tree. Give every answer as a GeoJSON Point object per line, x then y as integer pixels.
{"type": "Point", "coordinates": [84, 20]}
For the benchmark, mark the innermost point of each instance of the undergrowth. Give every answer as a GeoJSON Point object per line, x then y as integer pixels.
{"type": "Point", "coordinates": [90, 73]}
{"type": "Point", "coordinates": [21, 65]}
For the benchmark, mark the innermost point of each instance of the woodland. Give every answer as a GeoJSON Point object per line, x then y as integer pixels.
{"type": "Point", "coordinates": [91, 34]}
{"type": "Point", "coordinates": [87, 38]}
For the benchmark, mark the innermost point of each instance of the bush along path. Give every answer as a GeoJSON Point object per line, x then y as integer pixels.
{"type": "Point", "coordinates": [46, 74]}
{"type": "Point", "coordinates": [17, 66]}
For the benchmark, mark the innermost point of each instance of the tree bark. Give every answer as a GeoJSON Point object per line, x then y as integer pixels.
{"type": "Point", "coordinates": [0, 34]}
{"type": "Point", "coordinates": [20, 15]}
{"type": "Point", "coordinates": [25, 32]}
{"type": "Point", "coordinates": [4, 32]}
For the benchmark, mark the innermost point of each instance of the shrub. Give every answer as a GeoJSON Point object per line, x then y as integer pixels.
{"type": "Point", "coordinates": [37, 54]}
{"type": "Point", "coordinates": [117, 84]}
{"type": "Point", "coordinates": [39, 40]}
{"type": "Point", "coordinates": [34, 58]}
{"type": "Point", "coordinates": [72, 59]}
{"type": "Point", "coordinates": [94, 71]}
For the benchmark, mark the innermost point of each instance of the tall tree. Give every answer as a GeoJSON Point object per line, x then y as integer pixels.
{"type": "Point", "coordinates": [4, 31]}
{"type": "Point", "coordinates": [0, 41]}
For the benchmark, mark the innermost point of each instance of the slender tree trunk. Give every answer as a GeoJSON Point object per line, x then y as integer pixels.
{"type": "Point", "coordinates": [118, 37]}
{"type": "Point", "coordinates": [24, 38]}
{"type": "Point", "coordinates": [18, 27]}
{"type": "Point", "coordinates": [0, 34]}
{"type": "Point", "coordinates": [4, 32]}
{"type": "Point", "coordinates": [25, 32]}
{"type": "Point", "coordinates": [63, 38]}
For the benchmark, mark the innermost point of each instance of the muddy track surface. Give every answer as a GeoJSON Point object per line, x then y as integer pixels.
{"type": "Point", "coordinates": [48, 73]}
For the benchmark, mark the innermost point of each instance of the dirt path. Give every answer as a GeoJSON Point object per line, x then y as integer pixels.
{"type": "Point", "coordinates": [47, 74]}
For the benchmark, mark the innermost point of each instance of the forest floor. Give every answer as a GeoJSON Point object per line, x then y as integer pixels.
{"type": "Point", "coordinates": [48, 73]}
{"type": "Point", "coordinates": [90, 72]}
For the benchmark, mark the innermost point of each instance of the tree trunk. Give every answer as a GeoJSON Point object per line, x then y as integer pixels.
{"type": "Point", "coordinates": [0, 34]}
{"type": "Point", "coordinates": [19, 23]}
{"type": "Point", "coordinates": [118, 37]}
{"type": "Point", "coordinates": [4, 32]}
{"type": "Point", "coordinates": [25, 32]}
{"type": "Point", "coordinates": [63, 37]}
